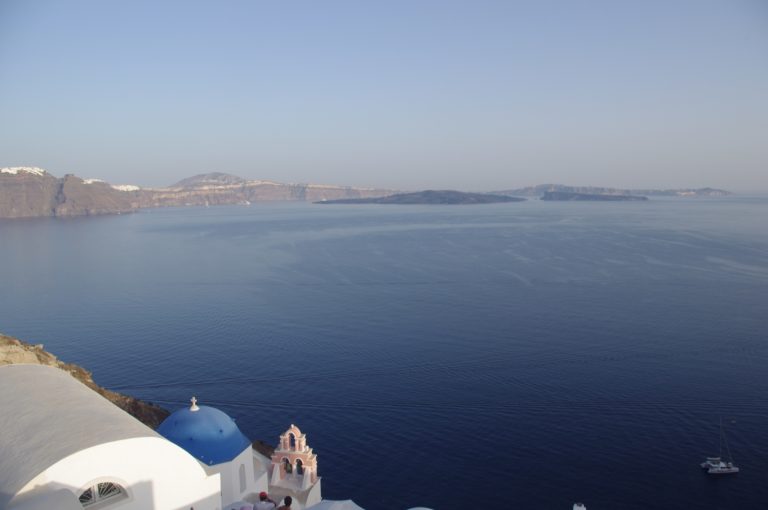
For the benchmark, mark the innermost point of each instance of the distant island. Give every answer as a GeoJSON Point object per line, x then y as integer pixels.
{"type": "Point", "coordinates": [597, 197]}
{"type": "Point", "coordinates": [430, 197]}
{"type": "Point", "coordinates": [540, 189]}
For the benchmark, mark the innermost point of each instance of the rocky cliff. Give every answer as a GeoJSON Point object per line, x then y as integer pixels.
{"type": "Point", "coordinates": [13, 350]}
{"type": "Point", "coordinates": [222, 189]}
{"type": "Point", "coordinates": [33, 192]}
{"type": "Point", "coordinates": [27, 192]}
{"type": "Point", "coordinates": [30, 192]}
{"type": "Point", "coordinates": [78, 197]}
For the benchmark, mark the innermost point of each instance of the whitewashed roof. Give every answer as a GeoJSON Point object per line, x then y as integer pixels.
{"type": "Point", "coordinates": [61, 499]}
{"type": "Point", "coordinates": [48, 415]}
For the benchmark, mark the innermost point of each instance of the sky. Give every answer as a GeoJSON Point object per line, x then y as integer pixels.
{"type": "Point", "coordinates": [473, 95]}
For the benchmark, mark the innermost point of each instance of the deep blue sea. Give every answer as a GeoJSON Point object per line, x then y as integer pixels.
{"type": "Point", "coordinates": [526, 355]}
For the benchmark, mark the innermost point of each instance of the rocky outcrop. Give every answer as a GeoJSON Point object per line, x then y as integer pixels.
{"type": "Point", "coordinates": [13, 350]}
{"type": "Point", "coordinates": [77, 197]}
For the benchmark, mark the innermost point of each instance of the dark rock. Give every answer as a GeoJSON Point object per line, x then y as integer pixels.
{"type": "Point", "coordinates": [263, 448]}
{"type": "Point", "coordinates": [13, 350]}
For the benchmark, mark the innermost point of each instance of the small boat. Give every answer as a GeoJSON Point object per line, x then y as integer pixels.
{"type": "Point", "coordinates": [719, 467]}
{"type": "Point", "coordinates": [716, 465]}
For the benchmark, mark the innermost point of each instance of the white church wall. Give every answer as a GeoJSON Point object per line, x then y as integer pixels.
{"type": "Point", "coordinates": [260, 466]}
{"type": "Point", "coordinates": [228, 494]}
{"type": "Point", "coordinates": [156, 474]}
{"type": "Point", "coordinates": [230, 484]}
{"type": "Point", "coordinates": [245, 460]}
{"type": "Point", "coordinates": [255, 482]}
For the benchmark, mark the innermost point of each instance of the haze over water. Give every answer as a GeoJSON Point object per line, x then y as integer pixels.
{"type": "Point", "coordinates": [476, 96]}
{"type": "Point", "coordinates": [535, 353]}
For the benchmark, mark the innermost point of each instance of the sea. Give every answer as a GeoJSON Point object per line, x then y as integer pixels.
{"type": "Point", "coordinates": [523, 355]}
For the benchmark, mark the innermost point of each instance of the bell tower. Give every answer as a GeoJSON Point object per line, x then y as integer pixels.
{"type": "Point", "coordinates": [294, 463]}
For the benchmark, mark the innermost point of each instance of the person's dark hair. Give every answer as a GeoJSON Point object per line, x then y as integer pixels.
{"type": "Point", "coordinates": [288, 500]}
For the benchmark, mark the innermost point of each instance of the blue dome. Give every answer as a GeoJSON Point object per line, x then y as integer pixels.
{"type": "Point", "coordinates": [208, 434]}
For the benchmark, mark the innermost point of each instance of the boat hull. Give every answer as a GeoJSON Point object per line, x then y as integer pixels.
{"type": "Point", "coordinates": [722, 471]}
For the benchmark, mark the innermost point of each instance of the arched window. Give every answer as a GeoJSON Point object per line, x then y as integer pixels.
{"type": "Point", "coordinates": [102, 495]}
{"type": "Point", "coordinates": [299, 467]}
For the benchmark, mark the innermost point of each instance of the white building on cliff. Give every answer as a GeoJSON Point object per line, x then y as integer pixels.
{"type": "Point", "coordinates": [64, 446]}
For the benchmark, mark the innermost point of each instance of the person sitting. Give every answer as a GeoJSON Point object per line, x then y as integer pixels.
{"type": "Point", "coordinates": [264, 503]}
{"type": "Point", "coordinates": [286, 503]}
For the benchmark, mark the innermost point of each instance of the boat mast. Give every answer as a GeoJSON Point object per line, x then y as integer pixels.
{"type": "Point", "coordinates": [724, 440]}
{"type": "Point", "coordinates": [721, 437]}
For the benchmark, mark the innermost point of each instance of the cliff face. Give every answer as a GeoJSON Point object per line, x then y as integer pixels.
{"type": "Point", "coordinates": [32, 192]}
{"type": "Point", "coordinates": [77, 197]}
{"type": "Point", "coordinates": [222, 189]}
{"type": "Point", "coordinates": [13, 350]}
{"type": "Point", "coordinates": [26, 194]}
{"type": "Point", "coordinates": [255, 191]}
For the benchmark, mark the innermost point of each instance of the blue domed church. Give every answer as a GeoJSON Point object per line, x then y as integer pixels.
{"type": "Point", "coordinates": [209, 435]}
{"type": "Point", "coordinates": [214, 440]}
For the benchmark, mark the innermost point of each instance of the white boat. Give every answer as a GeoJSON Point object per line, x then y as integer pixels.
{"type": "Point", "coordinates": [716, 465]}
{"type": "Point", "coordinates": [722, 468]}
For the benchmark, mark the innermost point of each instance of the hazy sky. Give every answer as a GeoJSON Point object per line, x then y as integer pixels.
{"type": "Point", "coordinates": [474, 95]}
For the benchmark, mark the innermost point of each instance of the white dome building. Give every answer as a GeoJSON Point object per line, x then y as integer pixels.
{"type": "Point", "coordinates": [64, 446]}
{"type": "Point", "coordinates": [212, 437]}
